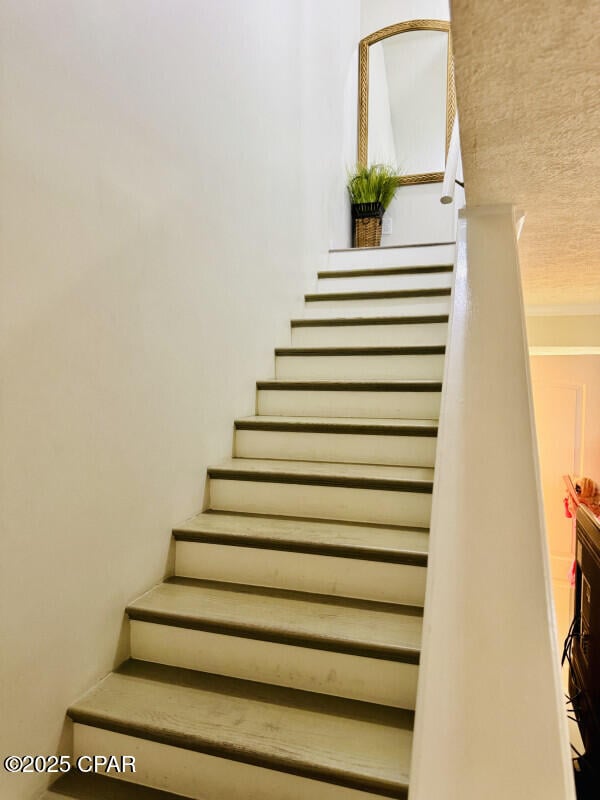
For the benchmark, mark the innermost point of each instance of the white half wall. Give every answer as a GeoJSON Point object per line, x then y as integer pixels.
{"type": "Point", "coordinates": [170, 175]}
{"type": "Point", "coordinates": [490, 719]}
{"type": "Point", "coordinates": [418, 217]}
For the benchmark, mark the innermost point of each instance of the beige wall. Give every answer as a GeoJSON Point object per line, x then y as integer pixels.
{"type": "Point", "coordinates": [566, 393]}
{"type": "Point", "coordinates": [577, 371]}
{"type": "Point", "coordinates": [564, 330]}
{"type": "Point", "coordinates": [169, 173]}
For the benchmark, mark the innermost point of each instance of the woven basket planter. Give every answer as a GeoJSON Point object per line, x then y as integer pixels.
{"type": "Point", "coordinates": [366, 224]}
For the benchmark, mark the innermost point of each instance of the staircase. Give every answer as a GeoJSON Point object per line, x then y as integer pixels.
{"type": "Point", "coordinates": [281, 661]}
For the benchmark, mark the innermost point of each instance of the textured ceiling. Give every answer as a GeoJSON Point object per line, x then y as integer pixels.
{"type": "Point", "coordinates": [528, 85]}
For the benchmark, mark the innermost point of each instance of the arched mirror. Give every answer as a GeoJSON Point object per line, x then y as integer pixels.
{"type": "Point", "coordinates": [407, 101]}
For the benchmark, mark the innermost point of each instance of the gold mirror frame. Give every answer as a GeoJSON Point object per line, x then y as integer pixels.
{"type": "Point", "coordinates": [363, 90]}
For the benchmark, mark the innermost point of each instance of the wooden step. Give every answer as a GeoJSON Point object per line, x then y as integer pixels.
{"type": "Point", "coordinates": [396, 545]}
{"type": "Point", "coordinates": [369, 562]}
{"type": "Point", "coordinates": [390, 294]}
{"type": "Point", "coordinates": [353, 321]}
{"type": "Point", "coordinates": [392, 256]}
{"type": "Point", "coordinates": [341, 425]}
{"type": "Point", "coordinates": [359, 425]}
{"type": "Point", "coordinates": [373, 630]}
{"type": "Point", "coordinates": [390, 331]}
{"type": "Point", "coordinates": [378, 303]}
{"type": "Point", "coordinates": [306, 473]}
{"type": "Point", "coordinates": [421, 350]}
{"type": "Point", "coordinates": [360, 363]}
{"type": "Point", "coordinates": [303, 641]}
{"type": "Point", "coordinates": [357, 492]}
{"type": "Point", "coordinates": [374, 399]}
{"type": "Point", "coordinates": [181, 714]}
{"type": "Point", "coordinates": [88, 786]}
{"type": "Point", "coordinates": [359, 272]}
{"type": "Point", "coordinates": [420, 277]}
{"type": "Point", "coordinates": [354, 440]}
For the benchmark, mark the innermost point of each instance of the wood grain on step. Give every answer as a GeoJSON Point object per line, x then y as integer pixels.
{"type": "Point", "coordinates": [416, 350]}
{"type": "Point", "coordinates": [352, 386]}
{"type": "Point", "coordinates": [435, 319]}
{"type": "Point", "coordinates": [377, 295]}
{"type": "Point", "coordinates": [350, 540]}
{"type": "Point", "coordinates": [355, 627]}
{"type": "Point", "coordinates": [346, 742]}
{"type": "Point", "coordinates": [365, 272]}
{"type": "Point", "coordinates": [365, 426]}
{"type": "Point", "coordinates": [323, 473]}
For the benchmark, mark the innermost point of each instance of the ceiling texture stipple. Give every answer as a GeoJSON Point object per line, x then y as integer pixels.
{"type": "Point", "coordinates": [528, 86]}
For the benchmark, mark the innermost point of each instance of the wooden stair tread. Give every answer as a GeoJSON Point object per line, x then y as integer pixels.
{"type": "Point", "coordinates": [435, 319]}
{"type": "Point", "coordinates": [351, 385]}
{"type": "Point", "coordinates": [323, 473]}
{"type": "Point", "coordinates": [381, 294]}
{"type": "Point", "coordinates": [352, 425]}
{"type": "Point", "coordinates": [341, 741]}
{"type": "Point", "coordinates": [412, 350]}
{"type": "Point", "coordinates": [77, 786]}
{"type": "Point", "coordinates": [374, 542]}
{"type": "Point", "coordinates": [357, 627]}
{"type": "Point", "coordinates": [366, 272]}
{"type": "Point", "coordinates": [379, 248]}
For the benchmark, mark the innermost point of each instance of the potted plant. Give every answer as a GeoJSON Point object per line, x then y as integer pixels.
{"type": "Point", "coordinates": [371, 191]}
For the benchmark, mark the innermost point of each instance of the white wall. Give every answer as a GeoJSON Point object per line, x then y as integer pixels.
{"type": "Point", "coordinates": [416, 213]}
{"type": "Point", "coordinates": [170, 174]}
{"type": "Point", "coordinates": [376, 14]}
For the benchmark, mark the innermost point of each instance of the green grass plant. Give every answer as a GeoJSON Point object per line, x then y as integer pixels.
{"type": "Point", "coordinates": [374, 184]}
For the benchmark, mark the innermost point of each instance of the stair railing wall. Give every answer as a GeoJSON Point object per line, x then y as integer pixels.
{"type": "Point", "coordinates": [490, 718]}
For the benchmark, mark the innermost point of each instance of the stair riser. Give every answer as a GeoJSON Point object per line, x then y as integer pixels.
{"type": "Point", "coordinates": [199, 776]}
{"type": "Point", "coordinates": [360, 258]}
{"type": "Point", "coordinates": [303, 572]}
{"type": "Point", "coordinates": [383, 405]}
{"type": "Point", "coordinates": [375, 283]}
{"type": "Point", "coordinates": [412, 335]}
{"type": "Point", "coordinates": [388, 307]}
{"type": "Point", "coordinates": [415, 451]}
{"type": "Point", "coordinates": [325, 672]}
{"type": "Point", "coordinates": [324, 502]}
{"type": "Point", "coordinates": [417, 367]}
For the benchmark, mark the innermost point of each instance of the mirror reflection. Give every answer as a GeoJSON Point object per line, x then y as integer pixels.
{"type": "Point", "coordinates": [406, 105]}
